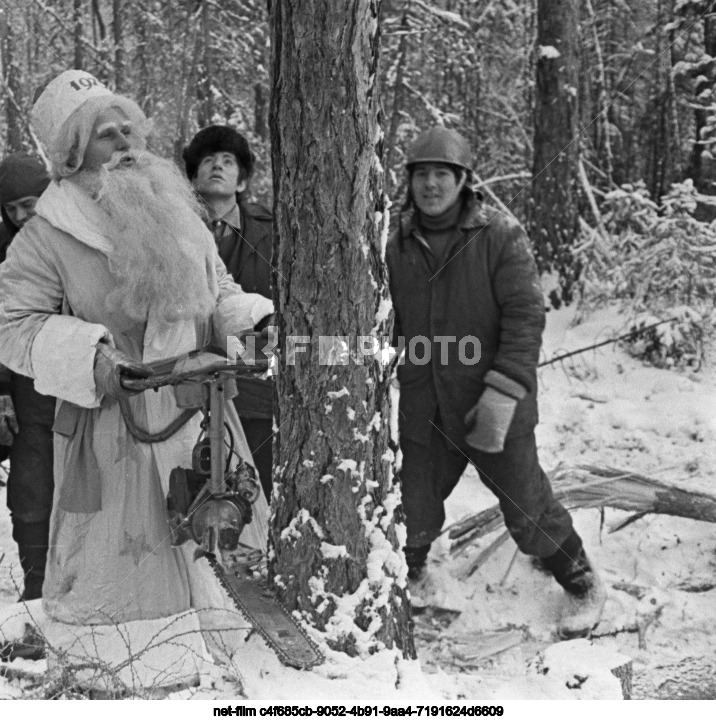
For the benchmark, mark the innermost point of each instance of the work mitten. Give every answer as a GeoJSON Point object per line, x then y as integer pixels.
{"type": "Point", "coordinates": [110, 366]}
{"type": "Point", "coordinates": [261, 341]}
{"type": "Point", "coordinates": [489, 420]}
{"type": "Point", "coordinates": [8, 421]}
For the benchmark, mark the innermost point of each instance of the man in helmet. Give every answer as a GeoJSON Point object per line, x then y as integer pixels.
{"type": "Point", "coordinates": [218, 163]}
{"type": "Point", "coordinates": [470, 313]}
{"type": "Point", "coordinates": [26, 417]}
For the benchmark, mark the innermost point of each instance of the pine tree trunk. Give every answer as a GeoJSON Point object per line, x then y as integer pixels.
{"type": "Point", "coordinates": [704, 82]}
{"type": "Point", "coordinates": [334, 529]}
{"type": "Point", "coordinates": [205, 111]}
{"type": "Point", "coordinates": [117, 31]}
{"type": "Point", "coordinates": [554, 220]}
{"type": "Point", "coordinates": [13, 87]}
{"type": "Point", "coordinates": [77, 32]}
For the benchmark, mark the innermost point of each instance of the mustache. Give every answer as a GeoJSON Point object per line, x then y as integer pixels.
{"type": "Point", "coordinates": [123, 159]}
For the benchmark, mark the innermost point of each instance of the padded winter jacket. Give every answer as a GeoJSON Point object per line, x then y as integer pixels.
{"type": "Point", "coordinates": [30, 485]}
{"type": "Point", "coordinates": [247, 252]}
{"type": "Point", "coordinates": [485, 286]}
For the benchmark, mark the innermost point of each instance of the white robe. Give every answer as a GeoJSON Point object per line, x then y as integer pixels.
{"type": "Point", "coordinates": [116, 594]}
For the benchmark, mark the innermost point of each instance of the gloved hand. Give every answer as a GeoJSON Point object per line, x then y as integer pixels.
{"type": "Point", "coordinates": [8, 421]}
{"type": "Point", "coordinates": [489, 420]}
{"type": "Point", "coordinates": [264, 334]}
{"type": "Point", "coordinates": [110, 366]}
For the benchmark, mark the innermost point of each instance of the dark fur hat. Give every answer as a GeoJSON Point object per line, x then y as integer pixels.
{"type": "Point", "coordinates": [216, 139]}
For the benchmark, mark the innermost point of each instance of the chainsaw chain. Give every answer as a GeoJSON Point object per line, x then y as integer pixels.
{"type": "Point", "coordinates": [220, 573]}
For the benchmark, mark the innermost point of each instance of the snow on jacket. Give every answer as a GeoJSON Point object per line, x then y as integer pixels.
{"type": "Point", "coordinates": [485, 285]}
{"type": "Point", "coordinates": [115, 564]}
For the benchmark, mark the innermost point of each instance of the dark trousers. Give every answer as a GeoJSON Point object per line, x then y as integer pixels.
{"type": "Point", "coordinates": [259, 436]}
{"type": "Point", "coordinates": [32, 544]}
{"type": "Point", "coordinates": [537, 522]}
{"type": "Point", "coordinates": [30, 485]}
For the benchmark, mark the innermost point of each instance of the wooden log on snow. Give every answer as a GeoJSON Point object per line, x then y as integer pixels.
{"type": "Point", "coordinates": [692, 678]}
{"type": "Point", "coordinates": [596, 487]}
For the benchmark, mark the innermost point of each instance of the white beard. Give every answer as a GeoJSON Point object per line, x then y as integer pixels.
{"type": "Point", "coordinates": [155, 229]}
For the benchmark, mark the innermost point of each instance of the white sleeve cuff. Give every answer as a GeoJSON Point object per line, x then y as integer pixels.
{"type": "Point", "coordinates": [239, 312]}
{"type": "Point", "coordinates": [62, 357]}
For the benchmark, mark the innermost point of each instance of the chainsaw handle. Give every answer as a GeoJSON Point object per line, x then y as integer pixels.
{"type": "Point", "coordinates": [198, 365]}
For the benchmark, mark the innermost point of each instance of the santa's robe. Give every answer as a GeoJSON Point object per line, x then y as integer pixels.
{"type": "Point", "coordinates": [114, 586]}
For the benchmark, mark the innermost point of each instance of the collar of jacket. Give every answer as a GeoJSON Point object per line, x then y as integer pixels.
{"type": "Point", "coordinates": [69, 208]}
{"type": "Point", "coordinates": [475, 214]}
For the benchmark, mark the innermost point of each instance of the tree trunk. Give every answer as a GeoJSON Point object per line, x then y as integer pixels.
{"type": "Point", "coordinates": [335, 529]}
{"type": "Point", "coordinates": [118, 32]}
{"type": "Point", "coordinates": [604, 143]}
{"type": "Point", "coordinates": [77, 32]}
{"type": "Point", "coordinates": [703, 177]}
{"type": "Point", "coordinates": [260, 121]}
{"type": "Point", "coordinates": [398, 93]}
{"type": "Point", "coordinates": [554, 220]}
{"type": "Point", "coordinates": [205, 94]}
{"type": "Point", "coordinates": [12, 87]}
{"type": "Point", "coordinates": [146, 90]}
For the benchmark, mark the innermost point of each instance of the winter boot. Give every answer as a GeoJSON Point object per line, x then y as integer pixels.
{"type": "Point", "coordinates": [417, 559]}
{"type": "Point", "coordinates": [585, 592]}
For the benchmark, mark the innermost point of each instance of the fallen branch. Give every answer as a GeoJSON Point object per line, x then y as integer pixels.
{"type": "Point", "coordinates": [595, 487]}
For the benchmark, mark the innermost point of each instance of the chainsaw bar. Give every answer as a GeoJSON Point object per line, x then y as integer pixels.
{"type": "Point", "coordinates": [268, 616]}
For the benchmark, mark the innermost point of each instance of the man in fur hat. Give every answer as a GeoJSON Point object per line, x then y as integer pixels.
{"type": "Point", "coordinates": [218, 163]}
{"type": "Point", "coordinates": [26, 417]}
{"type": "Point", "coordinates": [117, 270]}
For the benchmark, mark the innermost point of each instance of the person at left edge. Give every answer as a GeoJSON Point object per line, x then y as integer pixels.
{"type": "Point", "coordinates": [23, 179]}
{"type": "Point", "coordinates": [115, 271]}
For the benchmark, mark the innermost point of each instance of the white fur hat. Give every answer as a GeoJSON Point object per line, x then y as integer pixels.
{"type": "Point", "coordinates": [62, 96]}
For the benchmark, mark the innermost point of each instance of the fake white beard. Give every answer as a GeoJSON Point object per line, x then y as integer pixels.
{"type": "Point", "coordinates": [154, 226]}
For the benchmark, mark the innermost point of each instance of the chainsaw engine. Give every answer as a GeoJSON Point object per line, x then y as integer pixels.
{"type": "Point", "coordinates": [213, 520]}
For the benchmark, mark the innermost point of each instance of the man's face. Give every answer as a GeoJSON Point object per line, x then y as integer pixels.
{"type": "Point", "coordinates": [21, 210]}
{"type": "Point", "coordinates": [111, 133]}
{"type": "Point", "coordinates": [217, 176]}
{"type": "Point", "coordinates": [435, 187]}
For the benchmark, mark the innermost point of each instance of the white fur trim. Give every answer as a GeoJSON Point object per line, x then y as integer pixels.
{"type": "Point", "coordinates": [62, 358]}
{"type": "Point", "coordinates": [67, 207]}
{"type": "Point", "coordinates": [237, 313]}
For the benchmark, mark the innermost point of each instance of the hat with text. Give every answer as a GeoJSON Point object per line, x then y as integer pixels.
{"type": "Point", "coordinates": [59, 99]}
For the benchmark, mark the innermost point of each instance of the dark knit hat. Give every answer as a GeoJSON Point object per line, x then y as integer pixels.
{"type": "Point", "coordinates": [217, 139]}
{"type": "Point", "coordinates": [22, 176]}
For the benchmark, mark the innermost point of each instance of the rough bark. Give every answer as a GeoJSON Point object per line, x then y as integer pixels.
{"type": "Point", "coordinates": [398, 100]}
{"type": "Point", "coordinates": [205, 96]}
{"type": "Point", "coordinates": [334, 532]}
{"type": "Point", "coordinates": [77, 16]}
{"type": "Point", "coordinates": [260, 107]}
{"type": "Point", "coordinates": [119, 54]}
{"type": "Point", "coordinates": [553, 216]}
{"type": "Point", "coordinates": [703, 177]}
{"type": "Point", "coordinates": [12, 87]}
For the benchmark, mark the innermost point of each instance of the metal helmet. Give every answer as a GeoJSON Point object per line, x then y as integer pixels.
{"type": "Point", "coordinates": [440, 145]}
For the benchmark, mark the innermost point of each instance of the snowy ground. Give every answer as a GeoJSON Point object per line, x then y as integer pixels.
{"type": "Point", "coordinates": [485, 636]}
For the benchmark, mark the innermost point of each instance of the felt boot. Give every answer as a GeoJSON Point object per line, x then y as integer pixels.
{"type": "Point", "coordinates": [585, 592]}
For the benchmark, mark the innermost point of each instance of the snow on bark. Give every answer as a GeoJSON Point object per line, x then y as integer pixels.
{"type": "Point", "coordinates": [548, 52]}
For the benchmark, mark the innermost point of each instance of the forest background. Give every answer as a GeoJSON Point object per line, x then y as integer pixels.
{"type": "Point", "coordinates": [582, 115]}
{"type": "Point", "coordinates": [592, 121]}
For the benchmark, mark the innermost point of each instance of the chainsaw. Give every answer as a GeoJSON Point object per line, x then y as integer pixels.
{"type": "Point", "coordinates": [211, 502]}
